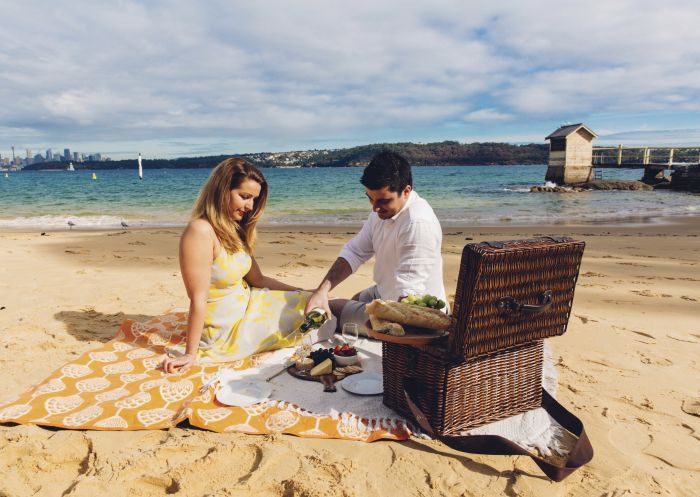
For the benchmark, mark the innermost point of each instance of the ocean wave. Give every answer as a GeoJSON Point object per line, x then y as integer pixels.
{"type": "Point", "coordinates": [84, 222]}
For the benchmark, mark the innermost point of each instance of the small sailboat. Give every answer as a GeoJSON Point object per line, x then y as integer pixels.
{"type": "Point", "coordinates": [70, 167]}
{"type": "Point", "coordinates": [94, 176]}
{"type": "Point", "coordinates": [140, 168]}
{"type": "Point", "coordinates": [7, 175]}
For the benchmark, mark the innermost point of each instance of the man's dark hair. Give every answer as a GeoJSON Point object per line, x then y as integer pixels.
{"type": "Point", "coordinates": [387, 168]}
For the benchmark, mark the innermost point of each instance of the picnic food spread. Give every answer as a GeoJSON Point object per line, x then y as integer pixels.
{"type": "Point", "coordinates": [324, 365]}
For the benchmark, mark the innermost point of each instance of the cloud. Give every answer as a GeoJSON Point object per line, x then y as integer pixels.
{"type": "Point", "coordinates": [278, 74]}
{"type": "Point", "coordinates": [487, 116]}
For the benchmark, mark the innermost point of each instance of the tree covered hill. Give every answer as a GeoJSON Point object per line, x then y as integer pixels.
{"type": "Point", "coordinates": [447, 153]}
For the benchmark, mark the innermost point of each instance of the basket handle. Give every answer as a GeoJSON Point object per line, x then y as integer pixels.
{"type": "Point", "coordinates": [580, 454]}
{"type": "Point", "coordinates": [502, 244]}
{"type": "Point", "coordinates": [511, 304]}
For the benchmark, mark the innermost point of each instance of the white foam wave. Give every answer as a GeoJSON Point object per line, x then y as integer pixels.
{"type": "Point", "coordinates": [83, 222]}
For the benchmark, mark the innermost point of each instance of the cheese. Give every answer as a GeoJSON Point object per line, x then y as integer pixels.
{"type": "Point", "coordinates": [324, 367]}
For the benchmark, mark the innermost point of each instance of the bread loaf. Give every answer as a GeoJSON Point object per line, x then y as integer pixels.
{"type": "Point", "coordinates": [411, 315]}
{"type": "Point", "coordinates": [384, 326]}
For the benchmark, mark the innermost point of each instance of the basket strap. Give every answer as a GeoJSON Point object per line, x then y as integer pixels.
{"type": "Point", "coordinates": [580, 454]}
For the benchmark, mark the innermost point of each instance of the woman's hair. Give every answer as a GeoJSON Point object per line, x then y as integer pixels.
{"type": "Point", "coordinates": [214, 204]}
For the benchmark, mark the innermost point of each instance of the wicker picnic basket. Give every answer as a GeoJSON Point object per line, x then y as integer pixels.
{"type": "Point", "coordinates": [457, 395]}
{"type": "Point", "coordinates": [510, 295]}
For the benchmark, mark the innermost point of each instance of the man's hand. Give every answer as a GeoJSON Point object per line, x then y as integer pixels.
{"type": "Point", "coordinates": [318, 299]}
{"type": "Point", "coordinates": [338, 272]}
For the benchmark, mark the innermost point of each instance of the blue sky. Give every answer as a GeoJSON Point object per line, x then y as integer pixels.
{"type": "Point", "coordinates": [176, 78]}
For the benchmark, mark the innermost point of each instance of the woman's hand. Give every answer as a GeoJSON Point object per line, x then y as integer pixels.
{"type": "Point", "coordinates": [181, 363]}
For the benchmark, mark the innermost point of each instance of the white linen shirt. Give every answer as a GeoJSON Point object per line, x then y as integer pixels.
{"type": "Point", "coordinates": [407, 248]}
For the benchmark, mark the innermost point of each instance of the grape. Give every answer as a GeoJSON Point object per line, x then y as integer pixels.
{"type": "Point", "coordinates": [440, 304]}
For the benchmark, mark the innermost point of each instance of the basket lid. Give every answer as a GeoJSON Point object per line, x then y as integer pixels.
{"type": "Point", "coordinates": [513, 292]}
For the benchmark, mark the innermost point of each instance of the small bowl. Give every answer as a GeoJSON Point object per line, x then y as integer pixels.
{"type": "Point", "coordinates": [346, 360]}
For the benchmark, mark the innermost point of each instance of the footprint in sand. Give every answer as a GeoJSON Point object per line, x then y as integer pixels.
{"type": "Point", "coordinates": [640, 333]}
{"type": "Point", "coordinates": [647, 293]}
{"type": "Point", "coordinates": [686, 339]}
{"type": "Point", "coordinates": [674, 448]}
{"type": "Point", "coordinates": [645, 359]}
{"type": "Point", "coordinates": [629, 439]}
{"type": "Point", "coordinates": [685, 297]}
{"type": "Point", "coordinates": [691, 406]}
{"type": "Point", "coordinates": [591, 274]}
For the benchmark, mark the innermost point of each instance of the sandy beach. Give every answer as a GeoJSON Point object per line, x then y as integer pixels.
{"type": "Point", "coordinates": [628, 367]}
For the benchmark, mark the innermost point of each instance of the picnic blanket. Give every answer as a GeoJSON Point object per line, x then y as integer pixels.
{"type": "Point", "coordinates": [118, 387]}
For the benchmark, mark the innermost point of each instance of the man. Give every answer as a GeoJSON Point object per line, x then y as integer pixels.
{"type": "Point", "coordinates": [403, 234]}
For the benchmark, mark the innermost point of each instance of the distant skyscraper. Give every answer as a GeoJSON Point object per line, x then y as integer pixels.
{"type": "Point", "coordinates": [76, 156]}
{"type": "Point", "coordinates": [49, 154]}
{"type": "Point", "coordinates": [66, 154]}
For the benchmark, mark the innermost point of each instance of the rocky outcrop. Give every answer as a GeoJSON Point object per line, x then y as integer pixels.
{"type": "Point", "coordinates": [594, 185]}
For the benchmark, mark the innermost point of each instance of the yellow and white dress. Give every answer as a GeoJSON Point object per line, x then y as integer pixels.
{"type": "Point", "coordinates": [241, 320]}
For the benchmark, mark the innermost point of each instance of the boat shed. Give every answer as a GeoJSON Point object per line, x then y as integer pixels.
{"type": "Point", "coordinates": [570, 154]}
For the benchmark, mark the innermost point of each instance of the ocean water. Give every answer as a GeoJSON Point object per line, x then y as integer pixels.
{"type": "Point", "coordinates": [469, 195]}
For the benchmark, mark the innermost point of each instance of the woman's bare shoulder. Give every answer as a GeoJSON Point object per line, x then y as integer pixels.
{"type": "Point", "coordinates": [199, 227]}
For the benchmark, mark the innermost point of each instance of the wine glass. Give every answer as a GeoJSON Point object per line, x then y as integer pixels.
{"type": "Point", "coordinates": [350, 333]}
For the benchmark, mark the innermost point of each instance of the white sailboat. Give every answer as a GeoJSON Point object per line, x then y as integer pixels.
{"type": "Point", "coordinates": [70, 167]}
{"type": "Point", "coordinates": [140, 168]}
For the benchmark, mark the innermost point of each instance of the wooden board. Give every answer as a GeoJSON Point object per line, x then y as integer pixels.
{"type": "Point", "coordinates": [414, 336]}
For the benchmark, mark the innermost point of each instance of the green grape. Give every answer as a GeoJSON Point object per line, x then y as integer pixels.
{"type": "Point", "coordinates": [440, 304]}
{"type": "Point", "coordinates": [421, 304]}
{"type": "Point", "coordinates": [405, 300]}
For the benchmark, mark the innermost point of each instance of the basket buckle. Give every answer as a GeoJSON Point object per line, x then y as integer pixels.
{"type": "Point", "coordinates": [510, 304]}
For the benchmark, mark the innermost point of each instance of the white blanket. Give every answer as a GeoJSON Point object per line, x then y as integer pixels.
{"type": "Point", "coordinates": [532, 430]}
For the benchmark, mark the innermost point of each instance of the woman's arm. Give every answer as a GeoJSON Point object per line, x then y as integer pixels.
{"type": "Point", "coordinates": [257, 279]}
{"type": "Point", "coordinates": [196, 256]}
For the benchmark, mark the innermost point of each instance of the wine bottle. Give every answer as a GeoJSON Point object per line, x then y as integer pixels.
{"type": "Point", "coordinates": [314, 319]}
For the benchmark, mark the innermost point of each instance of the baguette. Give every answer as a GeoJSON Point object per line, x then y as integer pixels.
{"type": "Point", "coordinates": [384, 326]}
{"type": "Point", "coordinates": [411, 315]}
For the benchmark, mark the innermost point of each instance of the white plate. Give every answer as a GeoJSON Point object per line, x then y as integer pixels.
{"type": "Point", "coordinates": [243, 392]}
{"type": "Point", "coordinates": [368, 383]}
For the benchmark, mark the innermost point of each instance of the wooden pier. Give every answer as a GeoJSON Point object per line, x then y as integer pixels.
{"type": "Point", "coordinates": [574, 160]}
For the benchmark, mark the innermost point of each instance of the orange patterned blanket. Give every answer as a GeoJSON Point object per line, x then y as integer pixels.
{"type": "Point", "coordinates": [117, 387]}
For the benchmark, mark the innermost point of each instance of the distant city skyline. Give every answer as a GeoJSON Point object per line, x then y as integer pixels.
{"type": "Point", "coordinates": [173, 79]}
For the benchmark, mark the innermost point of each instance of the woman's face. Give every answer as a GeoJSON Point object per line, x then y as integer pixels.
{"type": "Point", "coordinates": [243, 197]}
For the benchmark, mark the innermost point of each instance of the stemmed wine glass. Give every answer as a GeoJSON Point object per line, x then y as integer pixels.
{"type": "Point", "coordinates": [350, 333]}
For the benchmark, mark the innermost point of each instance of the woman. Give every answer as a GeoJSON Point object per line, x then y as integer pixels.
{"type": "Point", "coordinates": [235, 310]}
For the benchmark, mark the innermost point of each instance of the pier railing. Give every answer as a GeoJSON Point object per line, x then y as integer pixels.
{"type": "Point", "coordinates": [627, 157]}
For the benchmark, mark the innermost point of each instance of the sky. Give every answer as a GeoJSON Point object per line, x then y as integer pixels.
{"type": "Point", "coordinates": [180, 78]}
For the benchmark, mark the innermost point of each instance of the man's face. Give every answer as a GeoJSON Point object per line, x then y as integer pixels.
{"type": "Point", "coordinates": [387, 203]}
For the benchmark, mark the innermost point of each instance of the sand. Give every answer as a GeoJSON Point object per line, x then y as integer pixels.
{"type": "Point", "coordinates": [629, 367]}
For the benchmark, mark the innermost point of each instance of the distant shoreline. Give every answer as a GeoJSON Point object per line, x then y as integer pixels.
{"type": "Point", "coordinates": [668, 224]}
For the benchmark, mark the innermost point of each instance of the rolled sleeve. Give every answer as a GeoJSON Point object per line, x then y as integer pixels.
{"type": "Point", "coordinates": [359, 249]}
{"type": "Point", "coordinates": [418, 245]}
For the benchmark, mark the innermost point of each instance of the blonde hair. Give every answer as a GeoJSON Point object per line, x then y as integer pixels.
{"type": "Point", "coordinates": [214, 204]}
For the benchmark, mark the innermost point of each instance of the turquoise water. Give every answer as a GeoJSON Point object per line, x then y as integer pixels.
{"type": "Point", "coordinates": [485, 195]}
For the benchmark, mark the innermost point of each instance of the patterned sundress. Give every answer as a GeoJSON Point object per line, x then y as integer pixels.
{"type": "Point", "coordinates": [241, 320]}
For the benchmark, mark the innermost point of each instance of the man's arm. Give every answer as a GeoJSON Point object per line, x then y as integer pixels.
{"type": "Point", "coordinates": [358, 250]}
{"type": "Point", "coordinates": [338, 273]}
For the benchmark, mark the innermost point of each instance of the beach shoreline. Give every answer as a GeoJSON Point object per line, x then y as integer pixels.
{"type": "Point", "coordinates": [627, 368]}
